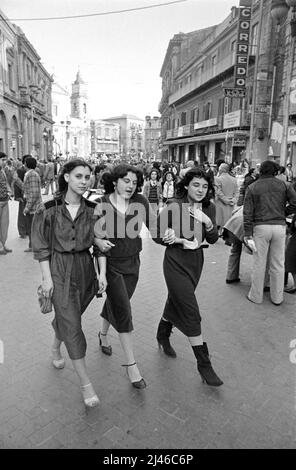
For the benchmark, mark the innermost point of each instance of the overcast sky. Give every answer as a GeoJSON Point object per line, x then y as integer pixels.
{"type": "Point", "coordinates": [119, 55]}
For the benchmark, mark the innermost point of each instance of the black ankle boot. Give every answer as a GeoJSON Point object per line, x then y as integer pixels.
{"type": "Point", "coordinates": [204, 366]}
{"type": "Point", "coordinates": [163, 335]}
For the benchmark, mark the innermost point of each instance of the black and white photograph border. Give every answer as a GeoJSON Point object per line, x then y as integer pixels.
{"type": "Point", "coordinates": [252, 346]}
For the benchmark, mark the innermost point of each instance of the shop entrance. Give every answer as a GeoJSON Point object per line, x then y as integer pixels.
{"type": "Point", "coordinates": [202, 153]}
{"type": "Point", "coordinates": [191, 152]}
{"type": "Point", "coordinates": [219, 150]}
{"type": "Point", "coordinates": [238, 154]}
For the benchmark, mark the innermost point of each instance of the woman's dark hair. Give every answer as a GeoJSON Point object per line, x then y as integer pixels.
{"type": "Point", "coordinates": [197, 172]}
{"type": "Point", "coordinates": [67, 168]}
{"type": "Point", "coordinates": [154, 170]}
{"type": "Point", "coordinates": [120, 171]}
{"type": "Point", "coordinates": [168, 172]}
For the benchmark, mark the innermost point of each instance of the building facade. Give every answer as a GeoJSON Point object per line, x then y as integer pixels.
{"type": "Point", "coordinates": [202, 119]}
{"type": "Point", "coordinates": [152, 133]}
{"type": "Point", "coordinates": [131, 135]}
{"type": "Point", "coordinates": [72, 130]}
{"type": "Point", "coordinates": [25, 96]}
{"type": "Point", "coordinates": [61, 111]}
{"type": "Point", "coordinates": [104, 138]}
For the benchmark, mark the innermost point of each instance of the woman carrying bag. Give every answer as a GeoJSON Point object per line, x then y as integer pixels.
{"type": "Point", "coordinates": [66, 224]}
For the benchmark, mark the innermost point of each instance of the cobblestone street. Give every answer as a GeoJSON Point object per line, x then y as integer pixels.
{"type": "Point", "coordinates": [42, 408]}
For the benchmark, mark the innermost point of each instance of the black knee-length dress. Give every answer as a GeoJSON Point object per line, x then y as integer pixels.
{"type": "Point", "coordinates": [182, 267]}
{"type": "Point", "coordinates": [123, 261]}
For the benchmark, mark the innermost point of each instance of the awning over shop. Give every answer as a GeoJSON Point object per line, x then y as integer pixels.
{"type": "Point", "coordinates": [205, 138]}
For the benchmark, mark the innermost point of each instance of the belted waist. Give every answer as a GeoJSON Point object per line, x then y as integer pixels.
{"type": "Point", "coordinates": [72, 252]}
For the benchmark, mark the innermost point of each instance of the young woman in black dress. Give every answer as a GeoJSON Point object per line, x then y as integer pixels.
{"type": "Point", "coordinates": [122, 212]}
{"type": "Point", "coordinates": [192, 216]}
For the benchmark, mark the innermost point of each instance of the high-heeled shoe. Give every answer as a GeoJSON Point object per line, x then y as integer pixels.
{"type": "Point", "coordinates": [58, 363]}
{"type": "Point", "coordinates": [105, 349]}
{"type": "Point", "coordinates": [138, 383]}
{"type": "Point", "coordinates": [204, 366]}
{"type": "Point", "coordinates": [89, 401]}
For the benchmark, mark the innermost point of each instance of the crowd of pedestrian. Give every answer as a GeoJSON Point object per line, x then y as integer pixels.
{"type": "Point", "coordinates": [90, 247]}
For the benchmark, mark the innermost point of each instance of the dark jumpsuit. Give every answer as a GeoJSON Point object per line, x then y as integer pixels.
{"type": "Point", "coordinates": [123, 261]}
{"type": "Point", "coordinates": [71, 266]}
{"type": "Point", "coordinates": [182, 267]}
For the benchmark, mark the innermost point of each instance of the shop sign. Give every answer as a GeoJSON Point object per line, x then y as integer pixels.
{"type": "Point", "coordinates": [293, 96]}
{"type": "Point", "coordinates": [208, 123]}
{"type": "Point", "coordinates": [262, 109]}
{"type": "Point", "coordinates": [242, 48]}
{"type": "Point", "coordinates": [239, 142]}
{"type": "Point", "coordinates": [292, 134]}
{"type": "Point", "coordinates": [232, 119]}
{"type": "Point", "coordinates": [234, 92]}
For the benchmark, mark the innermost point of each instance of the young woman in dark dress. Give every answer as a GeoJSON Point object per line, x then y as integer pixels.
{"type": "Point", "coordinates": [62, 234]}
{"type": "Point", "coordinates": [192, 216]}
{"type": "Point", "coordinates": [122, 212]}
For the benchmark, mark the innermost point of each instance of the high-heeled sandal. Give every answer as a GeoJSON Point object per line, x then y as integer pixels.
{"type": "Point", "coordinates": [89, 401]}
{"type": "Point", "coordinates": [58, 363]}
{"type": "Point", "coordinates": [105, 349]}
{"type": "Point", "coordinates": [138, 383]}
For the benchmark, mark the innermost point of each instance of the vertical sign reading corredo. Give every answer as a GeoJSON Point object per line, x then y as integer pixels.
{"type": "Point", "coordinates": [242, 48]}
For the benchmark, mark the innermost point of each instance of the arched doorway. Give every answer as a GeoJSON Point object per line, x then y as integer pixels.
{"type": "Point", "coordinates": [3, 133]}
{"type": "Point", "coordinates": [14, 150]}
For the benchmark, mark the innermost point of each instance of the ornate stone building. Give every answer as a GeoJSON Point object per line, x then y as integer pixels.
{"type": "Point", "coordinates": [199, 120]}
{"type": "Point", "coordinates": [25, 96]}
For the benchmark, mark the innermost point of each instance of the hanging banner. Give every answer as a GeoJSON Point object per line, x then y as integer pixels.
{"type": "Point", "coordinates": [242, 48]}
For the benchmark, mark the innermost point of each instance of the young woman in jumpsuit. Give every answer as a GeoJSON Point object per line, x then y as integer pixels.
{"type": "Point", "coordinates": [67, 266]}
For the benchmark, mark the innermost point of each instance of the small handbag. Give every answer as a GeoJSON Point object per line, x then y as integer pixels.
{"type": "Point", "coordinates": [45, 303]}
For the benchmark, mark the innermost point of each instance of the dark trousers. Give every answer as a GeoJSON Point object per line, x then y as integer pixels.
{"type": "Point", "coordinates": [29, 220]}
{"type": "Point", "coordinates": [234, 259]}
{"type": "Point", "coordinates": [21, 220]}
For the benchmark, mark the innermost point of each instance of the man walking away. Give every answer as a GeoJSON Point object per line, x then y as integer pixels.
{"type": "Point", "coordinates": [49, 177]}
{"type": "Point", "coordinates": [265, 210]}
{"type": "Point", "coordinates": [32, 194]}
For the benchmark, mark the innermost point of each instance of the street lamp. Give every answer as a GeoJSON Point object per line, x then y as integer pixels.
{"type": "Point", "coordinates": [48, 138]}
{"type": "Point", "coordinates": [67, 124]}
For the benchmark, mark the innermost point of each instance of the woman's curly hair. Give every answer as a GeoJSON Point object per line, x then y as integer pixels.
{"type": "Point", "coordinates": [196, 172]}
{"type": "Point", "coordinates": [120, 171]}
